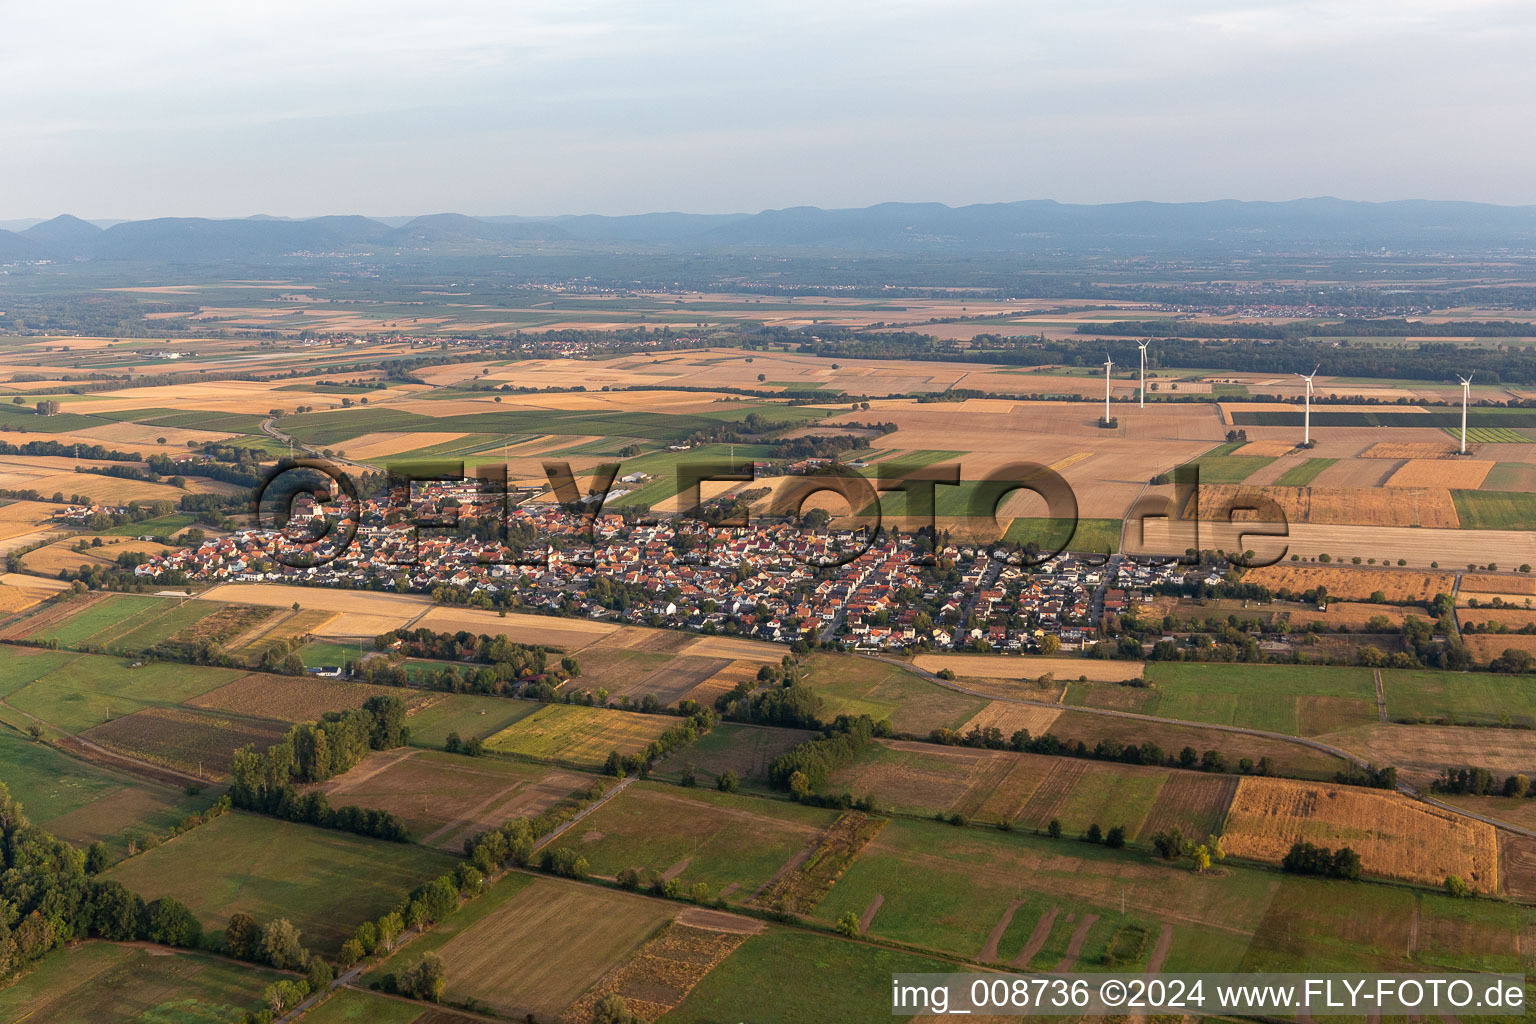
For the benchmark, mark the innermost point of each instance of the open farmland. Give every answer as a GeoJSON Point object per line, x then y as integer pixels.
{"type": "Point", "coordinates": [1421, 752]}
{"type": "Point", "coordinates": [99, 981]}
{"type": "Point", "coordinates": [291, 698]}
{"type": "Point", "coordinates": [733, 844]}
{"type": "Point", "coordinates": [883, 691]}
{"type": "Point", "coordinates": [543, 630]}
{"type": "Point", "coordinates": [185, 741]}
{"type": "Point", "coordinates": [1295, 700]}
{"type": "Point", "coordinates": [445, 798]}
{"type": "Point", "coordinates": [580, 736]}
{"type": "Point", "coordinates": [1461, 473]}
{"type": "Point", "coordinates": [990, 667]}
{"type": "Point", "coordinates": [326, 883]}
{"type": "Point", "coordinates": [1338, 506]}
{"type": "Point", "coordinates": [89, 689]}
{"type": "Point", "coordinates": [1450, 697]}
{"type": "Point", "coordinates": [1395, 837]}
{"type": "Point", "coordinates": [357, 612]}
{"type": "Point", "coordinates": [104, 618]}
{"type": "Point", "coordinates": [747, 750]}
{"type": "Point", "coordinates": [543, 947]}
{"type": "Point", "coordinates": [434, 715]}
{"type": "Point", "coordinates": [1354, 584]}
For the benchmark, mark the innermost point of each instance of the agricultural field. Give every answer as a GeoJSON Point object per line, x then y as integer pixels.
{"type": "Point", "coordinates": [192, 742]}
{"type": "Point", "coordinates": [1399, 586]}
{"type": "Point", "coordinates": [99, 981]}
{"type": "Point", "coordinates": [536, 951]}
{"type": "Point", "coordinates": [747, 750]}
{"type": "Point", "coordinates": [1495, 510]}
{"type": "Point", "coordinates": [445, 798]}
{"type": "Point", "coordinates": [1469, 697]}
{"type": "Point", "coordinates": [987, 667]}
{"type": "Point", "coordinates": [578, 736]}
{"type": "Point", "coordinates": [84, 802]}
{"type": "Point", "coordinates": [88, 689]}
{"type": "Point", "coordinates": [326, 883]}
{"type": "Point", "coordinates": [863, 686]}
{"type": "Point", "coordinates": [734, 845]}
{"type": "Point", "coordinates": [1293, 700]}
{"type": "Point", "coordinates": [1396, 837]}
{"type": "Point", "coordinates": [292, 698]}
{"type": "Point", "coordinates": [434, 715]}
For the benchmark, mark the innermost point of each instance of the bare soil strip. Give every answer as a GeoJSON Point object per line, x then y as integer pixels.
{"type": "Point", "coordinates": [676, 869]}
{"type": "Point", "coordinates": [1160, 951]}
{"type": "Point", "coordinates": [1075, 946]}
{"type": "Point", "coordinates": [868, 917]}
{"type": "Point", "coordinates": [989, 951]}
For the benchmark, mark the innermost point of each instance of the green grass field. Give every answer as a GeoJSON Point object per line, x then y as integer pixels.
{"type": "Point", "coordinates": [99, 982]}
{"type": "Point", "coordinates": [91, 689]}
{"type": "Point", "coordinates": [108, 616]}
{"type": "Point", "coordinates": [1296, 700]}
{"type": "Point", "coordinates": [580, 736]}
{"type": "Point", "coordinates": [1465, 696]}
{"type": "Point", "coordinates": [1089, 535]}
{"type": "Point", "coordinates": [1489, 435]}
{"type": "Point", "coordinates": [1495, 510]}
{"type": "Point", "coordinates": [860, 686]}
{"type": "Point", "coordinates": [174, 617]}
{"type": "Point", "coordinates": [969, 876]}
{"type": "Point", "coordinates": [326, 883]}
{"type": "Point", "coordinates": [352, 1006]}
{"type": "Point", "coordinates": [1229, 469]}
{"type": "Point", "coordinates": [466, 714]}
{"type": "Point", "coordinates": [1304, 473]}
{"type": "Point", "coordinates": [722, 839]}
{"type": "Point", "coordinates": [82, 803]}
{"type": "Point", "coordinates": [843, 981]}
{"type": "Point", "coordinates": [21, 665]}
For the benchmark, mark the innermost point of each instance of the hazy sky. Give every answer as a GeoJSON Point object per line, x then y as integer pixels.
{"type": "Point", "coordinates": [621, 106]}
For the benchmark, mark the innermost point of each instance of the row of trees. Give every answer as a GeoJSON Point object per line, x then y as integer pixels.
{"type": "Point", "coordinates": [805, 767]}
{"type": "Point", "coordinates": [1481, 782]}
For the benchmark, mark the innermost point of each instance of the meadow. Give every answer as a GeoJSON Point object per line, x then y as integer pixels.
{"type": "Point", "coordinates": [1294, 700]}
{"type": "Point", "coordinates": [579, 736]}
{"type": "Point", "coordinates": [732, 844]}
{"type": "Point", "coordinates": [91, 689]}
{"type": "Point", "coordinates": [863, 686]}
{"type": "Point", "coordinates": [437, 714]}
{"type": "Point", "coordinates": [326, 883]}
{"type": "Point", "coordinates": [98, 981]}
{"type": "Point", "coordinates": [1470, 697]}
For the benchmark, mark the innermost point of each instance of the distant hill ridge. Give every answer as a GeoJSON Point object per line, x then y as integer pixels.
{"type": "Point", "coordinates": [1030, 226]}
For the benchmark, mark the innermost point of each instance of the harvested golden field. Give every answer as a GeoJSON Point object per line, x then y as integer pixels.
{"type": "Point", "coordinates": [16, 599]}
{"type": "Point", "coordinates": [1512, 618]}
{"type": "Point", "coordinates": [544, 630]}
{"type": "Point", "coordinates": [737, 648]}
{"type": "Point", "coordinates": [1484, 647]}
{"type": "Point", "coordinates": [1266, 449]}
{"type": "Point", "coordinates": [1338, 506]}
{"type": "Point", "coordinates": [1010, 718]}
{"type": "Point", "coordinates": [1396, 837]}
{"type": "Point", "coordinates": [1410, 450]}
{"type": "Point", "coordinates": [1004, 666]}
{"type": "Point", "coordinates": [61, 554]}
{"type": "Point", "coordinates": [1460, 474]}
{"type": "Point", "coordinates": [1478, 583]}
{"type": "Point", "coordinates": [22, 517]}
{"type": "Point", "coordinates": [56, 475]}
{"type": "Point", "coordinates": [379, 445]}
{"type": "Point", "coordinates": [1398, 585]}
{"type": "Point", "coordinates": [724, 681]}
{"type": "Point", "coordinates": [1351, 615]}
{"type": "Point", "coordinates": [360, 612]}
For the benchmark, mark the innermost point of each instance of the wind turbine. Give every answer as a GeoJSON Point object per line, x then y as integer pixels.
{"type": "Point", "coordinates": [1306, 430]}
{"type": "Point", "coordinates": [1466, 392]}
{"type": "Point", "coordinates": [1143, 346]}
{"type": "Point", "coordinates": [1108, 362]}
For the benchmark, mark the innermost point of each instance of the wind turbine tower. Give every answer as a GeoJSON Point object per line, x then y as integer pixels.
{"type": "Point", "coordinates": [1143, 346]}
{"type": "Point", "coordinates": [1107, 364]}
{"type": "Point", "coordinates": [1306, 430]}
{"type": "Point", "coordinates": [1466, 392]}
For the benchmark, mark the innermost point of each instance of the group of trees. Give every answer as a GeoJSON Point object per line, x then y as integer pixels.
{"type": "Point", "coordinates": [805, 767]}
{"type": "Point", "coordinates": [49, 896]}
{"type": "Point", "coordinates": [1307, 859]}
{"type": "Point", "coordinates": [313, 752]}
{"type": "Point", "coordinates": [1481, 782]}
{"type": "Point", "coordinates": [512, 843]}
{"type": "Point", "coordinates": [1105, 750]}
{"type": "Point", "coordinates": [1170, 844]}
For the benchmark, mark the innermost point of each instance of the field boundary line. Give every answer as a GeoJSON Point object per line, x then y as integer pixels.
{"type": "Point", "coordinates": [600, 801]}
